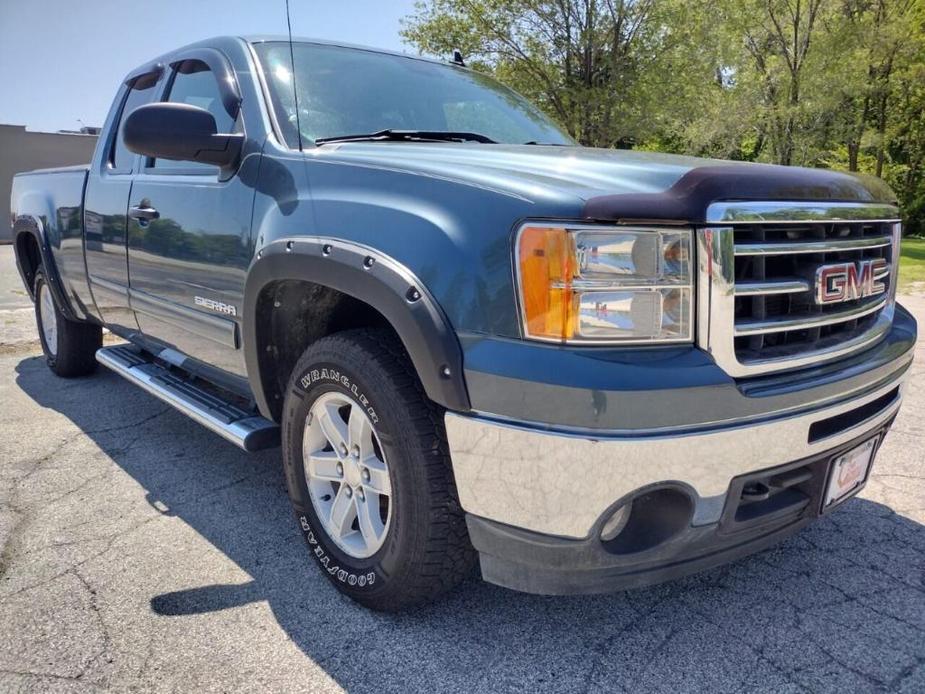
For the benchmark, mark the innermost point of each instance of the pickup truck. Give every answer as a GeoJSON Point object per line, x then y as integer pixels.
{"type": "Point", "coordinates": [475, 341]}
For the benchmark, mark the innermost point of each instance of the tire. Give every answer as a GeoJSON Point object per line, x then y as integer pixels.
{"type": "Point", "coordinates": [425, 549]}
{"type": "Point", "coordinates": [69, 347]}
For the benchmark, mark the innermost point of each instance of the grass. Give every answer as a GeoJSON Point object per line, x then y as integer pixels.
{"type": "Point", "coordinates": [912, 262]}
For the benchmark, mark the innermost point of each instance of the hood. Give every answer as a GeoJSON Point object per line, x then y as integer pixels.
{"type": "Point", "coordinates": [611, 184]}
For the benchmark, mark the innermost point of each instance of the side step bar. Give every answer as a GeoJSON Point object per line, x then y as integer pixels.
{"type": "Point", "coordinates": [246, 430]}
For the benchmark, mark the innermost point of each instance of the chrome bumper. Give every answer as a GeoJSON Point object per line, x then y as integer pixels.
{"type": "Point", "coordinates": [561, 483]}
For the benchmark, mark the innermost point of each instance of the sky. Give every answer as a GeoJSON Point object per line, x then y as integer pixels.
{"type": "Point", "coordinates": [62, 60]}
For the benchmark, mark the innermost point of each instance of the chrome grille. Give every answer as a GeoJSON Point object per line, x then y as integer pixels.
{"type": "Point", "coordinates": [776, 313]}
{"type": "Point", "coordinates": [758, 284]}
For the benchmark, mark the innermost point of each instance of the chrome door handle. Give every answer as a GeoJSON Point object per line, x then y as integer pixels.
{"type": "Point", "coordinates": [143, 214]}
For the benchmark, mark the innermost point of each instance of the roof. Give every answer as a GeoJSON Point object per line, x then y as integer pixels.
{"type": "Point", "coordinates": [264, 38]}
{"type": "Point", "coordinates": [224, 41]}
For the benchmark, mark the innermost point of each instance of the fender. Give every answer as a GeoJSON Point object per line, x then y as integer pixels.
{"type": "Point", "coordinates": [28, 224]}
{"type": "Point", "coordinates": [375, 279]}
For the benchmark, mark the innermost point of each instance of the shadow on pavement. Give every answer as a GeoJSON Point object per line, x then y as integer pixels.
{"type": "Point", "coordinates": [840, 606]}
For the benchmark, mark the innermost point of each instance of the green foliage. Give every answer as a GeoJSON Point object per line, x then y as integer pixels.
{"type": "Point", "coordinates": [912, 261]}
{"type": "Point", "coordinates": [823, 83]}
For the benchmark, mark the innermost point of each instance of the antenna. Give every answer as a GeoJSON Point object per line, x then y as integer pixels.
{"type": "Point", "coordinates": [295, 93]}
{"type": "Point", "coordinates": [457, 56]}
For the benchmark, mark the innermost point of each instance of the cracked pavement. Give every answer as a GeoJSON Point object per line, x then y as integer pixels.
{"type": "Point", "coordinates": [139, 551]}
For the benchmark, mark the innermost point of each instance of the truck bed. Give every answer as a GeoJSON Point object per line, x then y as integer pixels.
{"type": "Point", "coordinates": [50, 202]}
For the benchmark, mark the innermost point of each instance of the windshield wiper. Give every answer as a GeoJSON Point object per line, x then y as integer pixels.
{"type": "Point", "coordinates": [409, 136]}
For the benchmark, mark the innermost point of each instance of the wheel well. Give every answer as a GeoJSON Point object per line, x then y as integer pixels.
{"type": "Point", "coordinates": [29, 257]}
{"type": "Point", "coordinates": [291, 315]}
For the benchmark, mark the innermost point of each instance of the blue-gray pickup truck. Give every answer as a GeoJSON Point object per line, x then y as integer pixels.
{"type": "Point", "coordinates": [474, 340]}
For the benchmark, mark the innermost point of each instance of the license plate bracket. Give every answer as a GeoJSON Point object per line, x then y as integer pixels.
{"type": "Point", "coordinates": [848, 473]}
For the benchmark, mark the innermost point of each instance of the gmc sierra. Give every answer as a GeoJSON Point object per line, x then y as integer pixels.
{"type": "Point", "coordinates": [472, 338]}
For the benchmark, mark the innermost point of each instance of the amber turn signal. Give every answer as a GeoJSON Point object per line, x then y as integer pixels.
{"type": "Point", "coordinates": [546, 258]}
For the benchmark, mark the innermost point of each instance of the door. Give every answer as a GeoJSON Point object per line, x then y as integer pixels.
{"type": "Point", "coordinates": [105, 204]}
{"type": "Point", "coordinates": [189, 238]}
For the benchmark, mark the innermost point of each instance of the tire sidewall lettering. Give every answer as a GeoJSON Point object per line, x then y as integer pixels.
{"type": "Point", "coordinates": [330, 564]}
{"type": "Point", "coordinates": [330, 375]}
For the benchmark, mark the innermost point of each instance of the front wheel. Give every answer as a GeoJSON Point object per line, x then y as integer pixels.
{"type": "Point", "coordinates": [369, 475]}
{"type": "Point", "coordinates": [69, 347]}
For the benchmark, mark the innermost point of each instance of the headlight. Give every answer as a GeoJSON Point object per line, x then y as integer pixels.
{"type": "Point", "coordinates": [608, 285]}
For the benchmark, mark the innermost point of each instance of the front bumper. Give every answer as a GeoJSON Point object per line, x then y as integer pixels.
{"type": "Point", "coordinates": [547, 565]}
{"type": "Point", "coordinates": [537, 496]}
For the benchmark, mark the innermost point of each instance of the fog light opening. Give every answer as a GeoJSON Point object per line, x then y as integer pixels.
{"type": "Point", "coordinates": [615, 524]}
{"type": "Point", "coordinates": [652, 518]}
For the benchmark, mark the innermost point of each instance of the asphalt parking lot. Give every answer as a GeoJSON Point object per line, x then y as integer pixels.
{"type": "Point", "coordinates": [138, 551]}
{"type": "Point", "coordinates": [16, 324]}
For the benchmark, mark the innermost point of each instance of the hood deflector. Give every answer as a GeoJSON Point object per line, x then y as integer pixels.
{"type": "Point", "coordinates": [687, 200]}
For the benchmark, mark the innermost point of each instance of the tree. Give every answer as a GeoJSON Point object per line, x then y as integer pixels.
{"type": "Point", "coordinates": [579, 59]}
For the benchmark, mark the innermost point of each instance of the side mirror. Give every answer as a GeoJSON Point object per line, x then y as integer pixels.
{"type": "Point", "coordinates": [181, 132]}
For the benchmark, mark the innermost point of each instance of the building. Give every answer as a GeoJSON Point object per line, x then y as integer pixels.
{"type": "Point", "coordinates": [21, 150]}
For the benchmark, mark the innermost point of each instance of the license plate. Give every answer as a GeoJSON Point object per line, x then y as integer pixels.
{"type": "Point", "coordinates": [849, 472]}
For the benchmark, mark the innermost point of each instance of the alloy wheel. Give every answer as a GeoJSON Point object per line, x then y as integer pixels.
{"type": "Point", "coordinates": [347, 474]}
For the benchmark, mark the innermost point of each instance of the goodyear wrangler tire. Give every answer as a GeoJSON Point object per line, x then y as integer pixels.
{"type": "Point", "coordinates": [69, 347]}
{"type": "Point", "coordinates": [369, 475]}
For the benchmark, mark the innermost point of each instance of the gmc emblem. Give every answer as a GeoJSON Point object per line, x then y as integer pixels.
{"type": "Point", "coordinates": [849, 281]}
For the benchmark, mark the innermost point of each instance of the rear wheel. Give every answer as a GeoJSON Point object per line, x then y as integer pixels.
{"type": "Point", "coordinates": [69, 347]}
{"type": "Point", "coordinates": [369, 474]}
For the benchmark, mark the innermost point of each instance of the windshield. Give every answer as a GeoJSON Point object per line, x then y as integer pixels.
{"type": "Point", "coordinates": [349, 91]}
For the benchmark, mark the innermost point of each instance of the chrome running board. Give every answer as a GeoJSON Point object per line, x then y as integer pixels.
{"type": "Point", "coordinates": [246, 429]}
